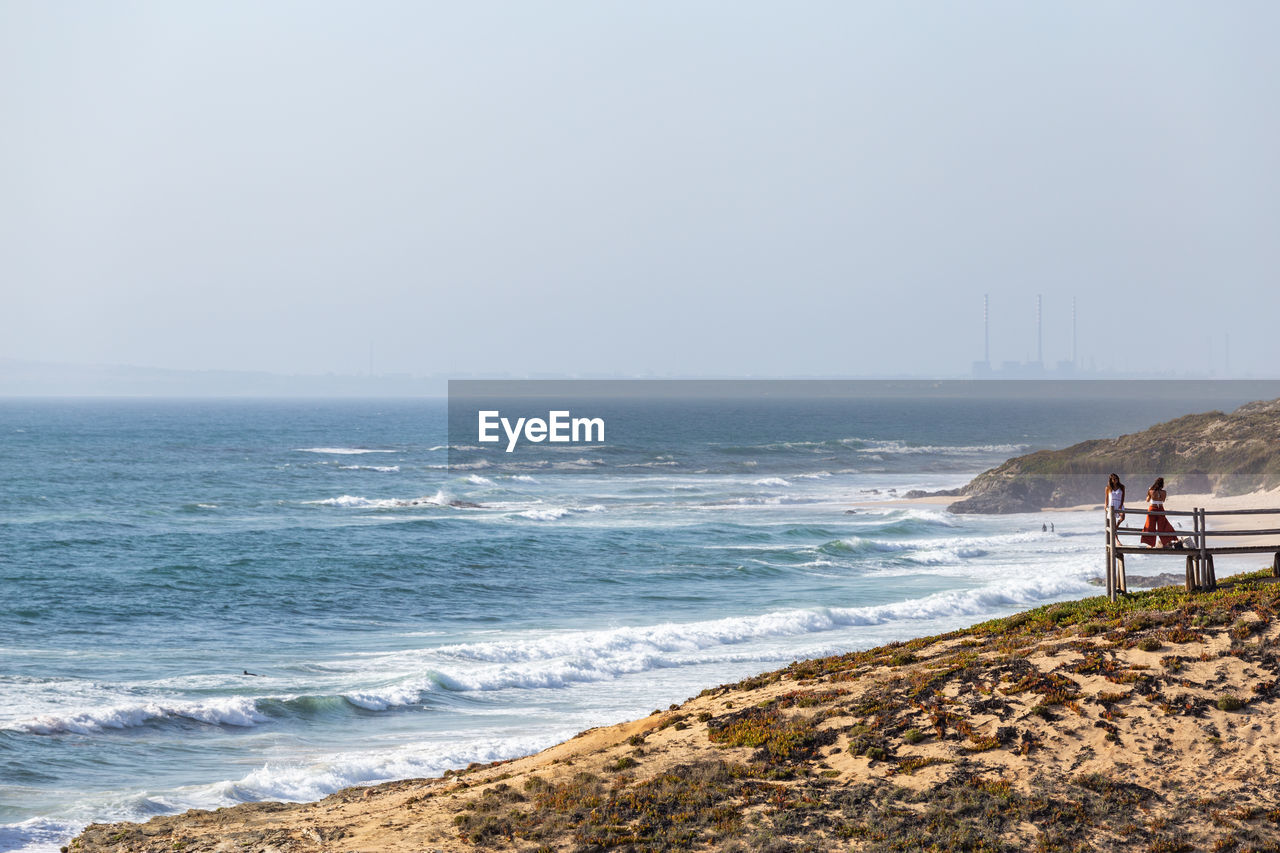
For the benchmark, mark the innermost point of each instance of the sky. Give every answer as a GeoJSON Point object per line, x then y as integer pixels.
{"type": "Point", "coordinates": [641, 189]}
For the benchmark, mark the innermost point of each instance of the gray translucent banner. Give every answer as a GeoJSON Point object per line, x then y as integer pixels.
{"type": "Point", "coordinates": [774, 430]}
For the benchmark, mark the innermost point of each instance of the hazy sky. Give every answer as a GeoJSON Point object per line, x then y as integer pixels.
{"type": "Point", "coordinates": [669, 188]}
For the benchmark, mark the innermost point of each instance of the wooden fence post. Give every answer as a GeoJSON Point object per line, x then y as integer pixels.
{"type": "Point", "coordinates": [1193, 558]}
{"type": "Point", "coordinates": [1205, 569]}
{"type": "Point", "coordinates": [1111, 569]}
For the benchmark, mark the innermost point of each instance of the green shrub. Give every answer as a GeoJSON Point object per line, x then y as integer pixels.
{"type": "Point", "coordinates": [1230, 703]}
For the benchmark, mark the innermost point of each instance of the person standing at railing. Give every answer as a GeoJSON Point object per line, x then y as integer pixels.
{"type": "Point", "coordinates": [1115, 499]}
{"type": "Point", "coordinates": [1157, 524]}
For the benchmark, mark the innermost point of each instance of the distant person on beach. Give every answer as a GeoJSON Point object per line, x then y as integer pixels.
{"type": "Point", "coordinates": [1115, 498]}
{"type": "Point", "coordinates": [1156, 496]}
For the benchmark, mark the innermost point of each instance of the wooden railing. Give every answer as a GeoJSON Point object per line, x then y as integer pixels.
{"type": "Point", "coordinates": [1196, 547]}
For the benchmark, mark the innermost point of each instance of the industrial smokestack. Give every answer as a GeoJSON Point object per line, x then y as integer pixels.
{"type": "Point", "coordinates": [1039, 332]}
{"type": "Point", "coordinates": [986, 329]}
{"type": "Point", "coordinates": [1074, 362]}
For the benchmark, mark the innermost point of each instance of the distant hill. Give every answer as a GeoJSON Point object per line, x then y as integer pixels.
{"type": "Point", "coordinates": [1227, 454]}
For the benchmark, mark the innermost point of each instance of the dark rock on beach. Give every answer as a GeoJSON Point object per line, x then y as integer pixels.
{"type": "Point", "coordinates": [941, 493]}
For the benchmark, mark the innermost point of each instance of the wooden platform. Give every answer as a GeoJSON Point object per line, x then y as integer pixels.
{"type": "Point", "coordinates": [1198, 553]}
{"type": "Point", "coordinates": [1217, 549]}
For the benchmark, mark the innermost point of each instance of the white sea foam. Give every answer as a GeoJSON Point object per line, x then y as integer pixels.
{"type": "Point", "coordinates": [550, 514]}
{"type": "Point", "coordinates": [570, 657]}
{"type": "Point", "coordinates": [887, 446]}
{"type": "Point", "coordinates": [384, 468]}
{"type": "Point", "coordinates": [38, 835]}
{"type": "Point", "coordinates": [777, 500]}
{"type": "Point", "coordinates": [289, 780]}
{"type": "Point", "coordinates": [859, 544]}
{"type": "Point", "coordinates": [523, 478]}
{"type": "Point", "coordinates": [394, 696]}
{"type": "Point", "coordinates": [931, 517]}
{"type": "Point", "coordinates": [902, 447]}
{"type": "Point", "coordinates": [477, 480]}
{"type": "Point", "coordinates": [556, 512]}
{"type": "Point", "coordinates": [355, 501]}
{"type": "Point", "coordinates": [770, 481]}
{"type": "Point", "coordinates": [231, 711]}
{"type": "Point", "coordinates": [944, 556]}
{"type": "Point", "coordinates": [951, 550]}
{"type": "Point", "coordinates": [342, 451]}
{"type": "Point", "coordinates": [302, 782]}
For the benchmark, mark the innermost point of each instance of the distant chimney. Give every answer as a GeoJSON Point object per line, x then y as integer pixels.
{"type": "Point", "coordinates": [1039, 332]}
{"type": "Point", "coordinates": [982, 369]}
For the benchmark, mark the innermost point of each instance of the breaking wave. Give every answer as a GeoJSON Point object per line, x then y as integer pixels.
{"type": "Point", "coordinates": [355, 501]}
{"type": "Point", "coordinates": [556, 512]}
{"type": "Point", "coordinates": [233, 711]}
{"type": "Point", "coordinates": [342, 451]}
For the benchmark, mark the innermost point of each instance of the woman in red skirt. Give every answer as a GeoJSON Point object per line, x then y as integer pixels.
{"type": "Point", "coordinates": [1157, 524]}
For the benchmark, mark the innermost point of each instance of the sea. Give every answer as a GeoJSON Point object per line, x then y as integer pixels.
{"type": "Point", "coordinates": [210, 602]}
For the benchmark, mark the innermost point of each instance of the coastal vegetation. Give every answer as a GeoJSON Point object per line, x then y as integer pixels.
{"type": "Point", "coordinates": [1226, 454]}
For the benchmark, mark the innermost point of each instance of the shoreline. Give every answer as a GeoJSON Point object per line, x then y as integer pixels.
{"type": "Point", "coordinates": [588, 744]}
{"type": "Point", "coordinates": [398, 800]}
{"type": "Point", "coordinates": [1138, 712]}
{"type": "Point", "coordinates": [1261, 499]}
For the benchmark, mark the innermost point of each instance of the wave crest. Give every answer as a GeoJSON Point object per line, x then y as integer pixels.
{"type": "Point", "coordinates": [355, 501]}
{"type": "Point", "coordinates": [342, 451]}
{"type": "Point", "coordinates": [232, 711]}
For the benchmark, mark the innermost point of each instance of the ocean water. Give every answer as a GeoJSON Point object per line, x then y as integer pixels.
{"type": "Point", "coordinates": [212, 602]}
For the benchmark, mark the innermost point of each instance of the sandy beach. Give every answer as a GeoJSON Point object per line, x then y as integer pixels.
{"type": "Point", "coordinates": [1253, 500]}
